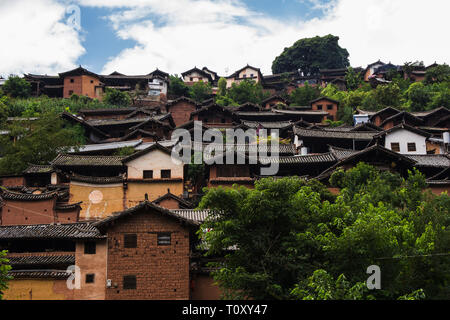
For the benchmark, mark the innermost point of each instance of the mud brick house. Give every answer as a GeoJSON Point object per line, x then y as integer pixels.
{"type": "Point", "coordinates": [148, 253]}
{"type": "Point", "coordinates": [39, 208]}
{"type": "Point", "coordinates": [404, 139]}
{"type": "Point", "coordinates": [140, 253]}
{"type": "Point", "coordinates": [83, 82]}
{"type": "Point", "coordinates": [246, 73]}
{"type": "Point", "coordinates": [181, 110]}
{"type": "Point", "coordinates": [152, 172]}
{"type": "Point", "coordinates": [171, 201]}
{"type": "Point", "coordinates": [272, 101]}
{"type": "Point", "coordinates": [198, 75]}
{"type": "Point", "coordinates": [214, 115]}
{"type": "Point", "coordinates": [318, 139]}
{"type": "Point", "coordinates": [326, 104]}
{"type": "Point", "coordinates": [41, 253]}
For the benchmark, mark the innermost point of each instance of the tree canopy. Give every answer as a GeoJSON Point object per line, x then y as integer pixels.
{"type": "Point", "coordinates": [17, 87]}
{"type": "Point", "coordinates": [286, 238]}
{"type": "Point", "coordinates": [311, 54]}
{"type": "Point", "coordinates": [4, 268]}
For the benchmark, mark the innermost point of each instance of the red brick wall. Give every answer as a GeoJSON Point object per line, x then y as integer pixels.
{"type": "Point", "coordinates": [12, 181]}
{"type": "Point", "coordinates": [162, 272]}
{"type": "Point", "coordinates": [81, 85]}
{"type": "Point", "coordinates": [169, 204]}
{"type": "Point", "coordinates": [324, 103]}
{"type": "Point", "coordinates": [27, 212]}
{"type": "Point", "coordinates": [181, 112]}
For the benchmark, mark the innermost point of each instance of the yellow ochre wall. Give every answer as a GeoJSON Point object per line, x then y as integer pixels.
{"type": "Point", "coordinates": [38, 289]}
{"type": "Point", "coordinates": [99, 201]}
{"type": "Point", "coordinates": [136, 190]}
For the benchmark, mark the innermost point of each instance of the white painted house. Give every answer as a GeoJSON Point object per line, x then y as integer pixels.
{"type": "Point", "coordinates": [405, 139]}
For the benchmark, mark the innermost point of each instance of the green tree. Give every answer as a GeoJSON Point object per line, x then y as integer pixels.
{"type": "Point", "coordinates": [247, 91]}
{"type": "Point", "coordinates": [352, 79]}
{"type": "Point", "coordinates": [117, 97]}
{"type": "Point", "coordinates": [177, 88]}
{"type": "Point", "coordinates": [17, 87]}
{"type": "Point", "coordinates": [3, 110]}
{"type": "Point", "coordinates": [302, 96]}
{"type": "Point", "coordinates": [312, 54]}
{"type": "Point", "coordinates": [222, 87]}
{"type": "Point", "coordinates": [200, 91]}
{"type": "Point", "coordinates": [418, 96]}
{"type": "Point", "coordinates": [4, 268]}
{"type": "Point", "coordinates": [278, 234]}
{"type": "Point", "coordinates": [438, 73]}
{"type": "Point", "coordinates": [388, 95]}
{"type": "Point", "coordinates": [322, 286]}
{"type": "Point", "coordinates": [37, 142]}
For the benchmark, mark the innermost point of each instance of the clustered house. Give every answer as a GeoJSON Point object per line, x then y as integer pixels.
{"type": "Point", "coordinates": [103, 216]}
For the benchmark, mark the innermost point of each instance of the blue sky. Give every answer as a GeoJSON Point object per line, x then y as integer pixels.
{"type": "Point", "coordinates": [137, 36]}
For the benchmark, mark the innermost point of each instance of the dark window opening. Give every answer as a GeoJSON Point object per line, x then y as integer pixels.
{"type": "Point", "coordinates": [130, 241]}
{"type": "Point", "coordinates": [89, 247]}
{"type": "Point", "coordinates": [319, 107]}
{"type": "Point", "coordinates": [164, 239]}
{"type": "Point", "coordinates": [411, 146]}
{"type": "Point", "coordinates": [148, 174]}
{"type": "Point", "coordinates": [165, 174]}
{"type": "Point", "coordinates": [129, 282]}
{"type": "Point", "coordinates": [72, 80]}
{"type": "Point", "coordinates": [329, 106]}
{"type": "Point", "coordinates": [90, 278]}
{"type": "Point", "coordinates": [395, 146]}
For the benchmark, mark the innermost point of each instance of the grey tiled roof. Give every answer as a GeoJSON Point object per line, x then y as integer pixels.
{"type": "Point", "coordinates": [311, 158]}
{"type": "Point", "coordinates": [40, 274]}
{"type": "Point", "coordinates": [431, 160]}
{"type": "Point", "coordinates": [105, 146]}
{"type": "Point", "coordinates": [336, 134]}
{"type": "Point", "coordinates": [42, 260]}
{"type": "Point", "coordinates": [192, 214]}
{"type": "Point", "coordinates": [145, 205]}
{"type": "Point", "coordinates": [268, 125]}
{"type": "Point", "coordinates": [96, 180]}
{"type": "Point", "coordinates": [80, 230]}
{"type": "Point", "coordinates": [35, 168]}
{"type": "Point", "coordinates": [281, 148]}
{"type": "Point", "coordinates": [341, 153]}
{"type": "Point", "coordinates": [89, 161]}
{"type": "Point", "coordinates": [17, 196]}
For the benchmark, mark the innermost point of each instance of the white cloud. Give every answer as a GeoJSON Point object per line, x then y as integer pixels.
{"type": "Point", "coordinates": [225, 35]}
{"type": "Point", "coordinates": [35, 38]}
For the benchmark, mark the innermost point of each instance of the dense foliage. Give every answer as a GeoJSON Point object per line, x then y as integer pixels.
{"type": "Point", "coordinates": [16, 86]}
{"type": "Point", "coordinates": [4, 268]}
{"type": "Point", "coordinates": [116, 97]}
{"type": "Point", "coordinates": [240, 93]}
{"type": "Point", "coordinates": [36, 141]}
{"type": "Point", "coordinates": [289, 239]}
{"type": "Point", "coordinates": [311, 54]}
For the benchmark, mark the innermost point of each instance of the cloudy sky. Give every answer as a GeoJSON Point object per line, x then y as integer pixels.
{"type": "Point", "coordinates": [137, 36]}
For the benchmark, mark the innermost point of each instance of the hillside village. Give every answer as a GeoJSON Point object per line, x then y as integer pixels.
{"type": "Point", "coordinates": [110, 212]}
